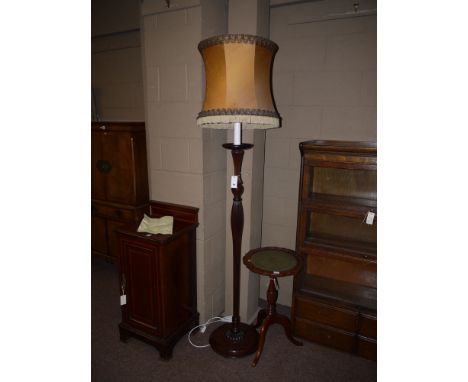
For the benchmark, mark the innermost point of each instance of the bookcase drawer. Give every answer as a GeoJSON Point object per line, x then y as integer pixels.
{"type": "Point", "coordinates": [325, 335]}
{"type": "Point", "coordinates": [368, 327]}
{"type": "Point", "coordinates": [326, 314]}
{"type": "Point", "coordinates": [367, 348]}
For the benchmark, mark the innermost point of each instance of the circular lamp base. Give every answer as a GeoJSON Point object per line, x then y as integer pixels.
{"type": "Point", "coordinates": [224, 343]}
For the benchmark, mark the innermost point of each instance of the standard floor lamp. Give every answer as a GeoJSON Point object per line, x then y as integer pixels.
{"type": "Point", "coordinates": [238, 95]}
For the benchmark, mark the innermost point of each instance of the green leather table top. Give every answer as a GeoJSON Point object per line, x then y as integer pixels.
{"type": "Point", "coordinates": [271, 261]}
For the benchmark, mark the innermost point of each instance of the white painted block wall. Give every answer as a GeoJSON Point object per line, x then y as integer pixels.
{"type": "Point", "coordinates": [324, 82]}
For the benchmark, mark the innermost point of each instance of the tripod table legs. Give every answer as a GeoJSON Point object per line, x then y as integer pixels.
{"type": "Point", "coordinates": [269, 317]}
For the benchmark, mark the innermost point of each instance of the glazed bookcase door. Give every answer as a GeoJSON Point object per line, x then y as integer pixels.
{"type": "Point", "coordinates": [336, 203]}
{"type": "Point", "coordinates": [358, 184]}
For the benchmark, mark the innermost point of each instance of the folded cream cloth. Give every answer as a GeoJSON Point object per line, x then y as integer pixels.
{"type": "Point", "coordinates": [157, 225]}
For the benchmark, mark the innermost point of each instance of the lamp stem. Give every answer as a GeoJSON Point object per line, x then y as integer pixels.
{"type": "Point", "coordinates": [236, 339]}
{"type": "Point", "coordinates": [237, 227]}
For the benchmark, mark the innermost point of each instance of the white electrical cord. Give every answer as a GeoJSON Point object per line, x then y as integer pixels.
{"type": "Point", "coordinates": [212, 320]}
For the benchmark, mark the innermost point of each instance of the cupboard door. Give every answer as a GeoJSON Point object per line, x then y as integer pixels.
{"type": "Point", "coordinates": [98, 178]}
{"type": "Point", "coordinates": [119, 152]}
{"type": "Point", "coordinates": [98, 235]}
{"type": "Point", "coordinates": [175, 283]}
{"type": "Point", "coordinates": [140, 274]}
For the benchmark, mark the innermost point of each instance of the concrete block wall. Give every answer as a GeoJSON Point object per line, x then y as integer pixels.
{"type": "Point", "coordinates": [214, 202]}
{"type": "Point", "coordinates": [324, 82]}
{"type": "Point", "coordinates": [116, 77]}
{"type": "Point", "coordinates": [187, 164]}
{"type": "Point", "coordinates": [172, 67]}
{"type": "Point", "coordinates": [111, 16]}
{"type": "Point", "coordinates": [116, 60]}
{"type": "Point", "coordinates": [213, 22]}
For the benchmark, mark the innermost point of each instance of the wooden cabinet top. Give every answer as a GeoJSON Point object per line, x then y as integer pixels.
{"type": "Point", "coordinates": [340, 154]}
{"type": "Point", "coordinates": [118, 126]}
{"type": "Point", "coordinates": [339, 146]}
{"type": "Point", "coordinates": [185, 220]}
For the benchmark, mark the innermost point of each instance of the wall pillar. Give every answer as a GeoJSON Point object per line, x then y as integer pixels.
{"type": "Point", "coordinates": [247, 17]}
{"type": "Point", "coordinates": [186, 163]}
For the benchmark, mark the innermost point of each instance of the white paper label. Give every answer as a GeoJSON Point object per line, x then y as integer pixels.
{"type": "Point", "coordinates": [370, 218]}
{"type": "Point", "coordinates": [234, 181]}
{"type": "Point", "coordinates": [123, 299]}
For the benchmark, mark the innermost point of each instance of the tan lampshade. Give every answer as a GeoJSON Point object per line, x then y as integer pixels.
{"type": "Point", "coordinates": [238, 82]}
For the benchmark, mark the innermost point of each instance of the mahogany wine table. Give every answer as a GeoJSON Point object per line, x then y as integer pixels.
{"type": "Point", "coordinates": [273, 262]}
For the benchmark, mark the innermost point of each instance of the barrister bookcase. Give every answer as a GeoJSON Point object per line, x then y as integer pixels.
{"type": "Point", "coordinates": [335, 295]}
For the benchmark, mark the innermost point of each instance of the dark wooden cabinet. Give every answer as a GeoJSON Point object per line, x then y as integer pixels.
{"type": "Point", "coordinates": [335, 295]}
{"type": "Point", "coordinates": [119, 181]}
{"type": "Point", "coordinates": [158, 278]}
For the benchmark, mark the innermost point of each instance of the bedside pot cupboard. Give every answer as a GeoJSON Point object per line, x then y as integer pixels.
{"type": "Point", "coordinates": [157, 275]}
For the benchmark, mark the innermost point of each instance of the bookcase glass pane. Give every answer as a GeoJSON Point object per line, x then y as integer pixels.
{"type": "Point", "coordinates": [340, 228]}
{"type": "Point", "coordinates": [344, 182]}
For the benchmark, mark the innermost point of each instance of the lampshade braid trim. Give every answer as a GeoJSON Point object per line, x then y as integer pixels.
{"type": "Point", "coordinates": [238, 39]}
{"type": "Point", "coordinates": [259, 112]}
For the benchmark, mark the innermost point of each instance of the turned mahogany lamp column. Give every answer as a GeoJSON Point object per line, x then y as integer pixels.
{"type": "Point", "coordinates": [238, 95]}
